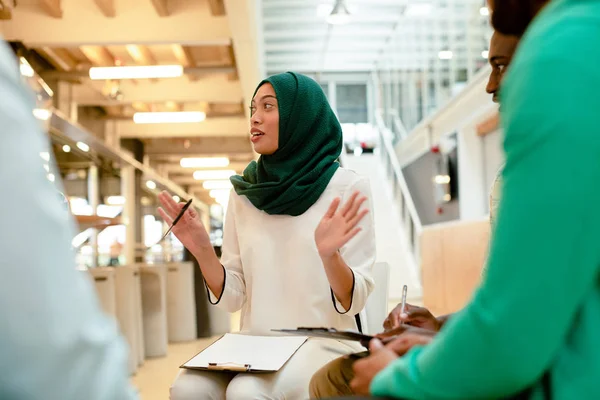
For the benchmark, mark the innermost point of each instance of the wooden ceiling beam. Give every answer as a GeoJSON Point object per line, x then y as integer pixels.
{"type": "Point", "coordinates": [234, 75]}
{"type": "Point", "coordinates": [52, 8]}
{"type": "Point", "coordinates": [217, 7]}
{"type": "Point", "coordinates": [59, 58]}
{"type": "Point", "coordinates": [141, 54]}
{"type": "Point", "coordinates": [183, 55]}
{"type": "Point", "coordinates": [174, 106]}
{"type": "Point", "coordinates": [107, 7]}
{"type": "Point", "coordinates": [98, 55]}
{"type": "Point", "coordinates": [114, 111]}
{"type": "Point", "coordinates": [161, 7]}
{"type": "Point", "coordinates": [140, 106]}
{"type": "Point", "coordinates": [5, 12]}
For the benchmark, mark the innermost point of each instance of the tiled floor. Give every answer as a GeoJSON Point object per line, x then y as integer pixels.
{"type": "Point", "coordinates": [154, 378]}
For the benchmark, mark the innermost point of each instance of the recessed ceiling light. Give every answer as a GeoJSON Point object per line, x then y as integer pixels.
{"type": "Point", "coordinates": [41, 113]}
{"type": "Point", "coordinates": [340, 14]}
{"type": "Point", "coordinates": [25, 68]}
{"type": "Point", "coordinates": [83, 147]}
{"type": "Point", "coordinates": [212, 175]}
{"type": "Point", "coordinates": [445, 55]}
{"type": "Point", "coordinates": [204, 162]}
{"type": "Point", "coordinates": [217, 185]}
{"type": "Point", "coordinates": [418, 9]}
{"type": "Point", "coordinates": [168, 117]}
{"type": "Point", "coordinates": [136, 72]}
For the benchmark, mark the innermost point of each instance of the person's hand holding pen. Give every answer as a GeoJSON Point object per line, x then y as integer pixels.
{"type": "Point", "coordinates": [408, 314]}
{"type": "Point", "coordinates": [189, 229]}
{"type": "Point", "coordinates": [192, 234]}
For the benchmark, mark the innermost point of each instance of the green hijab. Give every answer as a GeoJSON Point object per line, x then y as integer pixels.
{"type": "Point", "coordinates": [291, 180]}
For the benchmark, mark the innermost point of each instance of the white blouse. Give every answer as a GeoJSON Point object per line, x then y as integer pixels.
{"type": "Point", "coordinates": [273, 272]}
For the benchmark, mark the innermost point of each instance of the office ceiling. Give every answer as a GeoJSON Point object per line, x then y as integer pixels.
{"type": "Point", "coordinates": [298, 37]}
{"type": "Point", "coordinates": [214, 40]}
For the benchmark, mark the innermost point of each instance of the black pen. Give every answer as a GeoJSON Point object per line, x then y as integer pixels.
{"type": "Point", "coordinates": [183, 210]}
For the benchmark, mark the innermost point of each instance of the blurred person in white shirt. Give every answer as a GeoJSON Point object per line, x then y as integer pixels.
{"type": "Point", "coordinates": [55, 342]}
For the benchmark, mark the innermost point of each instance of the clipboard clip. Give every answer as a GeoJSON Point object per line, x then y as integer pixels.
{"type": "Point", "coordinates": [229, 367]}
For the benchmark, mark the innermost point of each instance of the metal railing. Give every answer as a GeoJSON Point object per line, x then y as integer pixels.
{"type": "Point", "coordinates": [409, 218]}
{"type": "Point", "coordinates": [399, 130]}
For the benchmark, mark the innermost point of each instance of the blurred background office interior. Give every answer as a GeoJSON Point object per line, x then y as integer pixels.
{"type": "Point", "coordinates": [140, 96]}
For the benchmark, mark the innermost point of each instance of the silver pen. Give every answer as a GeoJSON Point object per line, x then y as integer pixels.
{"type": "Point", "coordinates": [403, 305]}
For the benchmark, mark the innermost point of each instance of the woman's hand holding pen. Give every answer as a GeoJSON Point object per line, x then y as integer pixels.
{"type": "Point", "coordinates": [189, 230]}
{"type": "Point", "coordinates": [192, 234]}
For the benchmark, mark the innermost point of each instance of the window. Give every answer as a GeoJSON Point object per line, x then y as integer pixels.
{"type": "Point", "coordinates": [352, 103]}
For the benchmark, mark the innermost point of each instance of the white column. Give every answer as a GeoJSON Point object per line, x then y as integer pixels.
{"type": "Point", "coordinates": [452, 47]}
{"type": "Point", "coordinates": [94, 199]}
{"type": "Point", "coordinates": [470, 50]}
{"type": "Point", "coordinates": [371, 98]}
{"type": "Point", "coordinates": [129, 211]}
{"type": "Point", "coordinates": [437, 66]}
{"type": "Point", "coordinates": [332, 96]}
{"type": "Point", "coordinates": [425, 90]}
{"type": "Point", "coordinates": [411, 81]}
{"type": "Point", "coordinates": [407, 105]}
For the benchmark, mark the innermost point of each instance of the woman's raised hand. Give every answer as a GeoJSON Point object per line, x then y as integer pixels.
{"type": "Point", "coordinates": [189, 230]}
{"type": "Point", "coordinates": [338, 226]}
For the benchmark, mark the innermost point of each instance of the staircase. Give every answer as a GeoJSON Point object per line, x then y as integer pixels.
{"type": "Point", "coordinates": [391, 239]}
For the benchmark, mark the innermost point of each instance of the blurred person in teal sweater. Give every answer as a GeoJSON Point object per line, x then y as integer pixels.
{"type": "Point", "coordinates": [531, 329]}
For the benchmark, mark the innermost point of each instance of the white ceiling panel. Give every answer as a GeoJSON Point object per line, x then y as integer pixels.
{"type": "Point", "coordinates": [397, 32]}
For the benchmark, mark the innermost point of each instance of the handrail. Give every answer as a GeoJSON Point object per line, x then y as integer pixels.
{"type": "Point", "coordinates": [384, 134]}
{"type": "Point", "coordinates": [398, 124]}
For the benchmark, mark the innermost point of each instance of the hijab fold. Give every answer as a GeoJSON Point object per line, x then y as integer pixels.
{"type": "Point", "coordinates": [292, 179]}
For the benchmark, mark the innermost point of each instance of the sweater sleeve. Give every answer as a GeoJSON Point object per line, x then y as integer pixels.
{"type": "Point", "coordinates": [234, 287]}
{"type": "Point", "coordinates": [359, 254]}
{"type": "Point", "coordinates": [544, 256]}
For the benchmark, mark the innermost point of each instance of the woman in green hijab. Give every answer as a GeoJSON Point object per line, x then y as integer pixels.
{"type": "Point", "coordinates": [292, 254]}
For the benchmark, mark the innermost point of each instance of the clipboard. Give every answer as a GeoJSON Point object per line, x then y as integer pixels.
{"type": "Point", "coordinates": [328, 333]}
{"type": "Point", "coordinates": [245, 353]}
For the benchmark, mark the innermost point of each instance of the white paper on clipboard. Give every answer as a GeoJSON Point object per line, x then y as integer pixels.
{"type": "Point", "coordinates": [239, 352]}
